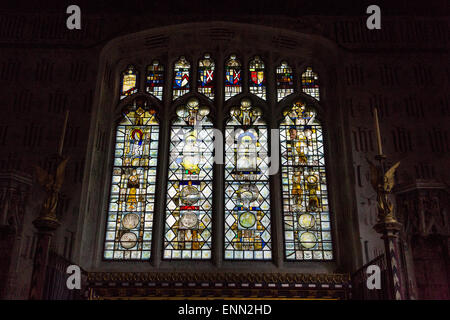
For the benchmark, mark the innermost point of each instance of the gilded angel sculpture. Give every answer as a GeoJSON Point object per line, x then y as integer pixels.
{"type": "Point", "coordinates": [52, 184]}
{"type": "Point", "coordinates": [383, 184]}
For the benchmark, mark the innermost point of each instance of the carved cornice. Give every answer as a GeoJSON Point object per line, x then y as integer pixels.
{"type": "Point", "coordinates": [105, 285]}
{"type": "Point", "coordinates": [419, 184]}
{"type": "Point", "coordinates": [331, 278]}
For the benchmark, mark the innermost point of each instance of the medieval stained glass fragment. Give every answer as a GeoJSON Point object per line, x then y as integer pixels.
{"type": "Point", "coordinates": [233, 80]}
{"type": "Point", "coordinates": [155, 79]}
{"type": "Point", "coordinates": [132, 197]}
{"type": "Point", "coordinates": [206, 80]}
{"type": "Point", "coordinates": [188, 223]}
{"type": "Point", "coordinates": [306, 211]}
{"type": "Point", "coordinates": [285, 81]}
{"type": "Point", "coordinates": [181, 82]}
{"type": "Point", "coordinates": [129, 82]}
{"type": "Point", "coordinates": [310, 83]}
{"type": "Point", "coordinates": [247, 201]}
{"type": "Point", "coordinates": [257, 79]}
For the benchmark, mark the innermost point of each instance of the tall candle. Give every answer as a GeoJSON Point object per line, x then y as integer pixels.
{"type": "Point", "coordinates": [63, 134]}
{"type": "Point", "coordinates": [377, 130]}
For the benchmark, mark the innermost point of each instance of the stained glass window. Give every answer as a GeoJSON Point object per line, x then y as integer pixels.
{"type": "Point", "coordinates": [306, 211]}
{"type": "Point", "coordinates": [285, 81]}
{"type": "Point", "coordinates": [206, 78]}
{"type": "Point", "coordinates": [247, 203]}
{"type": "Point", "coordinates": [189, 189]}
{"type": "Point", "coordinates": [131, 204]}
{"type": "Point", "coordinates": [257, 78]}
{"type": "Point", "coordinates": [233, 80]}
{"type": "Point", "coordinates": [129, 82]}
{"type": "Point", "coordinates": [310, 83]}
{"type": "Point", "coordinates": [155, 79]}
{"type": "Point", "coordinates": [181, 79]}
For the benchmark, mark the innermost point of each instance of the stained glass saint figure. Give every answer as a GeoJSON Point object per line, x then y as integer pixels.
{"type": "Point", "coordinates": [306, 212]}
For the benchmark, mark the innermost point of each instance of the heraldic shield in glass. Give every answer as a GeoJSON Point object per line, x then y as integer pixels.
{"type": "Point", "coordinates": [189, 188]}
{"type": "Point", "coordinates": [306, 212]}
{"type": "Point", "coordinates": [233, 82]}
{"type": "Point", "coordinates": [206, 78]}
{"type": "Point", "coordinates": [132, 197]}
{"type": "Point", "coordinates": [257, 79]}
{"type": "Point", "coordinates": [247, 203]}
{"type": "Point", "coordinates": [181, 81]}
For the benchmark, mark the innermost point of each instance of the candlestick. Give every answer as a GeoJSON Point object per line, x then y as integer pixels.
{"type": "Point", "coordinates": [377, 130]}
{"type": "Point", "coordinates": [63, 134]}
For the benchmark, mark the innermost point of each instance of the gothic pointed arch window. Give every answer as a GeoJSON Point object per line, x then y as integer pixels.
{"type": "Point", "coordinates": [206, 79]}
{"type": "Point", "coordinates": [257, 78]}
{"type": "Point", "coordinates": [189, 189]}
{"type": "Point", "coordinates": [182, 76]}
{"type": "Point", "coordinates": [155, 79]}
{"type": "Point", "coordinates": [129, 82]}
{"type": "Point", "coordinates": [233, 79]}
{"type": "Point", "coordinates": [306, 212]}
{"type": "Point", "coordinates": [132, 196]}
{"type": "Point", "coordinates": [285, 80]}
{"type": "Point", "coordinates": [247, 204]}
{"type": "Point", "coordinates": [310, 83]}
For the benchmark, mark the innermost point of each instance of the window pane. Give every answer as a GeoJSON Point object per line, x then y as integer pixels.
{"type": "Point", "coordinates": [130, 214]}
{"type": "Point", "coordinates": [307, 226]}
{"type": "Point", "coordinates": [181, 80]}
{"type": "Point", "coordinates": [247, 201]}
{"type": "Point", "coordinates": [155, 79]}
{"type": "Point", "coordinates": [233, 82]}
{"type": "Point", "coordinates": [285, 81]}
{"type": "Point", "coordinates": [129, 82]}
{"type": "Point", "coordinates": [257, 78]}
{"type": "Point", "coordinates": [189, 188]}
{"type": "Point", "coordinates": [310, 83]}
{"type": "Point", "coordinates": [206, 80]}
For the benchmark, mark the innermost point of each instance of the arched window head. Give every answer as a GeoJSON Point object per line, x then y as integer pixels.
{"type": "Point", "coordinates": [129, 82]}
{"type": "Point", "coordinates": [188, 223]}
{"type": "Point", "coordinates": [155, 79]}
{"type": "Point", "coordinates": [257, 78]}
{"type": "Point", "coordinates": [181, 81]}
{"type": "Point", "coordinates": [233, 79]}
{"type": "Point", "coordinates": [310, 83]}
{"type": "Point", "coordinates": [306, 212]}
{"type": "Point", "coordinates": [206, 80]}
{"type": "Point", "coordinates": [132, 197]}
{"type": "Point", "coordinates": [285, 81]}
{"type": "Point", "coordinates": [247, 203]}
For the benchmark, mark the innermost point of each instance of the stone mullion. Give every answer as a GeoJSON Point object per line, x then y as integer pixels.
{"type": "Point", "coordinates": [244, 73]}
{"type": "Point", "coordinates": [218, 182]}
{"type": "Point", "coordinates": [163, 161]}
{"type": "Point", "coordinates": [275, 180]}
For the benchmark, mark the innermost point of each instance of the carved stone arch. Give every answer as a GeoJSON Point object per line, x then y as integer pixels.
{"type": "Point", "coordinates": [192, 40]}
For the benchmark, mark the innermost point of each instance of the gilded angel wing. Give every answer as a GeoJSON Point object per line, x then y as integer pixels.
{"type": "Point", "coordinates": [42, 176]}
{"type": "Point", "coordinates": [373, 174]}
{"type": "Point", "coordinates": [389, 177]}
{"type": "Point", "coordinates": [60, 173]}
